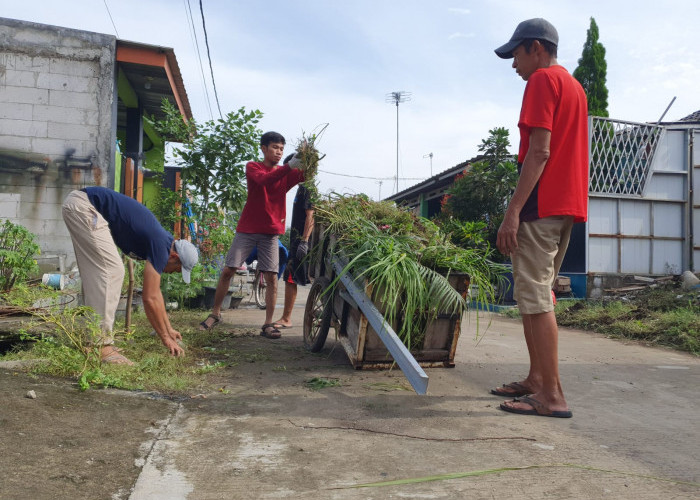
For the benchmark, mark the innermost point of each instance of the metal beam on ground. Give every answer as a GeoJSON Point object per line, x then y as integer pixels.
{"type": "Point", "coordinates": [409, 366]}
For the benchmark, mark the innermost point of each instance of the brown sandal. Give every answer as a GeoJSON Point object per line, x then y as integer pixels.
{"type": "Point", "coordinates": [269, 331]}
{"type": "Point", "coordinates": [203, 325]}
{"type": "Point", "coordinates": [512, 390]}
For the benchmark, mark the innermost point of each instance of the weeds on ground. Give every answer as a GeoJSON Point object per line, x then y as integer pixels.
{"type": "Point", "coordinates": [61, 348]}
{"type": "Point", "coordinates": [663, 315]}
{"type": "Point", "coordinates": [318, 383]}
{"type": "Point", "coordinates": [25, 296]}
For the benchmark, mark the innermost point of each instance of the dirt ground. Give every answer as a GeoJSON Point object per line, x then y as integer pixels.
{"type": "Point", "coordinates": [259, 431]}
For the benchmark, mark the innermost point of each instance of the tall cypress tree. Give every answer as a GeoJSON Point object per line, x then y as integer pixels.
{"type": "Point", "coordinates": [591, 72]}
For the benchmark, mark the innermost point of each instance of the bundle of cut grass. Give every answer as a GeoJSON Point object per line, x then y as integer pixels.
{"type": "Point", "coordinates": [309, 156]}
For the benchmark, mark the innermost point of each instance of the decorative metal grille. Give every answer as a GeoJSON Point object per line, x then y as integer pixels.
{"type": "Point", "coordinates": [621, 155]}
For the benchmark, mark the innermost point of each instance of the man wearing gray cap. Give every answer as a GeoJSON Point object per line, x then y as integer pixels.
{"type": "Point", "coordinates": [100, 221]}
{"type": "Point", "coordinates": [552, 194]}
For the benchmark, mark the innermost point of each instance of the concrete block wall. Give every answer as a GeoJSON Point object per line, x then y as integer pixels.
{"type": "Point", "coordinates": [57, 89]}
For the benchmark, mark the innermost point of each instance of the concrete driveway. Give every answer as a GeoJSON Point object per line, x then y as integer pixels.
{"type": "Point", "coordinates": [260, 432]}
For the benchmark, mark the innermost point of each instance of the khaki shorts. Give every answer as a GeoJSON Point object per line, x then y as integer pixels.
{"type": "Point", "coordinates": [244, 243]}
{"type": "Point", "coordinates": [542, 245]}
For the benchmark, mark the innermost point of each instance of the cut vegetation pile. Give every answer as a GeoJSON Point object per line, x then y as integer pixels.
{"type": "Point", "coordinates": [664, 314]}
{"type": "Point", "coordinates": [405, 260]}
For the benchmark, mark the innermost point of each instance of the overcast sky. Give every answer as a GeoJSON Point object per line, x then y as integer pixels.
{"type": "Point", "coordinates": [308, 62]}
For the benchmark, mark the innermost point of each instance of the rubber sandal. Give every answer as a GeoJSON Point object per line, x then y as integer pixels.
{"type": "Point", "coordinates": [203, 325]}
{"type": "Point", "coordinates": [280, 326]}
{"type": "Point", "coordinates": [516, 390]}
{"type": "Point", "coordinates": [538, 408]}
{"type": "Point", "coordinates": [269, 331]}
{"type": "Point", "coordinates": [114, 357]}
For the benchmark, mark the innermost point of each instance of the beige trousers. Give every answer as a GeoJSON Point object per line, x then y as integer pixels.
{"type": "Point", "coordinates": [101, 267]}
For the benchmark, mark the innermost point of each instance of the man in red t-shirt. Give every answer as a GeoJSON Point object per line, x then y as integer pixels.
{"type": "Point", "coordinates": [552, 194]}
{"type": "Point", "coordinates": [260, 224]}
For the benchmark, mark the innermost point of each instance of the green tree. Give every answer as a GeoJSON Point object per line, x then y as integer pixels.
{"type": "Point", "coordinates": [213, 154]}
{"type": "Point", "coordinates": [482, 192]}
{"type": "Point", "coordinates": [591, 73]}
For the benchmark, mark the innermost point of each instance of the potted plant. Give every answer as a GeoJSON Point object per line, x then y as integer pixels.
{"type": "Point", "coordinates": [214, 236]}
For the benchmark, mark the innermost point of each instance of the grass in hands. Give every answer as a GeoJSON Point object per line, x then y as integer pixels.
{"type": "Point", "coordinates": [309, 156]}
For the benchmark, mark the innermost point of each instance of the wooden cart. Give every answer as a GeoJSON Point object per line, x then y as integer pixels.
{"type": "Point", "coordinates": [359, 324]}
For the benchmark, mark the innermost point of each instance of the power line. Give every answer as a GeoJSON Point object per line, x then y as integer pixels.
{"type": "Point", "coordinates": [110, 18]}
{"type": "Point", "coordinates": [375, 178]}
{"type": "Point", "coordinates": [206, 40]}
{"type": "Point", "coordinates": [193, 35]}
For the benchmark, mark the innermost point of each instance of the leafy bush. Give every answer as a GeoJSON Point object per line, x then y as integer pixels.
{"type": "Point", "coordinates": [173, 288]}
{"type": "Point", "coordinates": [17, 251]}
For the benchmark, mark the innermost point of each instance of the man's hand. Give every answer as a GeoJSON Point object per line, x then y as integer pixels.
{"type": "Point", "coordinates": [302, 250]}
{"type": "Point", "coordinates": [507, 239]}
{"type": "Point", "coordinates": [172, 346]}
{"type": "Point", "coordinates": [175, 335]}
{"type": "Point", "coordinates": [295, 162]}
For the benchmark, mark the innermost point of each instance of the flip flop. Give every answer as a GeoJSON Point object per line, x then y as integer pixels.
{"type": "Point", "coordinates": [280, 326]}
{"type": "Point", "coordinates": [203, 325]}
{"type": "Point", "coordinates": [114, 357]}
{"type": "Point", "coordinates": [538, 408]}
{"type": "Point", "coordinates": [269, 331]}
{"type": "Point", "coordinates": [516, 390]}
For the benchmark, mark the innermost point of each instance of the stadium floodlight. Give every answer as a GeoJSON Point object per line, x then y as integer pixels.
{"type": "Point", "coordinates": [397, 97]}
{"type": "Point", "coordinates": [430, 155]}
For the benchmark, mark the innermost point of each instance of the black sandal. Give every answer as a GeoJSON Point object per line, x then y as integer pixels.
{"type": "Point", "coordinates": [269, 331]}
{"type": "Point", "coordinates": [203, 325]}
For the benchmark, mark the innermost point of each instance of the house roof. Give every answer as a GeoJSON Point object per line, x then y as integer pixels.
{"type": "Point", "coordinates": [692, 117]}
{"type": "Point", "coordinates": [437, 181]}
{"type": "Point", "coordinates": [154, 74]}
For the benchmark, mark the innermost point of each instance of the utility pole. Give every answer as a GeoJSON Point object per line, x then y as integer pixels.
{"type": "Point", "coordinates": [380, 190]}
{"type": "Point", "coordinates": [397, 97]}
{"type": "Point", "coordinates": [430, 155]}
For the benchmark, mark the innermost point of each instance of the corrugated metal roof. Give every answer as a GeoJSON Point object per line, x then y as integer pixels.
{"type": "Point", "coordinates": [444, 177]}
{"type": "Point", "coordinates": [693, 117]}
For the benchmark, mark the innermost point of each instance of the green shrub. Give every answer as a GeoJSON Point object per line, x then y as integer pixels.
{"type": "Point", "coordinates": [17, 255]}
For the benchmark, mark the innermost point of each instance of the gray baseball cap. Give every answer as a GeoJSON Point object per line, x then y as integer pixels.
{"type": "Point", "coordinates": [189, 255]}
{"type": "Point", "coordinates": [537, 28]}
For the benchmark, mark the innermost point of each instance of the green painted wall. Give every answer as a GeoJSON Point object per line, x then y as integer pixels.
{"type": "Point", "coordinates": [153, 144]}
{"type": "Point", "coordinates": [117, 169]}
{"type": "Point", "coordinates": [423, 206]}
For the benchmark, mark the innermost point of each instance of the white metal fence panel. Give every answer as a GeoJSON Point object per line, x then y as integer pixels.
{"type": "Point", "coordinates": [602, 255]}
{"type": "Point", "coordinates": [621, 154]}
{"type": "Point", "coordinates": [695, 175]}
{"type": "Point", "coordinates": [666, 256]}
{"type": "Point", "coordinates": [638, 199]}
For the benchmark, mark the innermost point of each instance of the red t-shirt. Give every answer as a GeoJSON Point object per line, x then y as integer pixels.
{"type": "Point", "coordinates": [266, 207]}
{"type": "Point", "coordinates": [554, 100]}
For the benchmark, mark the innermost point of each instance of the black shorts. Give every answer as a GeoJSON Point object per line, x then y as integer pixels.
{"type": "Point", "coordinates": [296, 273]}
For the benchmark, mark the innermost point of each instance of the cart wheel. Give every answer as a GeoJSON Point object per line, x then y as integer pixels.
{"type": "Point", "coordinates": [317, 315]}
{"type": "Point", "coordinates": [259, 287]}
